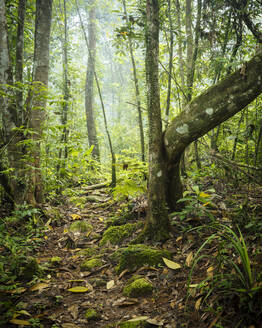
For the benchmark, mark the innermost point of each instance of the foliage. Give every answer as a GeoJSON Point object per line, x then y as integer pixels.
{"type": "Point", "coordinates": [234, 279]}
{"type": "Point", "coordinates": [131, 177]}
{"type": "Point", "coordinates": [20, 235]}
{"type": "Point", "coordinates": [196, 204]}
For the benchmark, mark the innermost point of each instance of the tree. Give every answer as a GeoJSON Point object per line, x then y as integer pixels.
{"type": "Point", "coordinates": [38, 94]}
{"type": "Point", "coordinates": [211, 108]}
{"type": "Point", "coordinates": [90, 76]}
{"type": "Point", "coordinates": [12, 175]}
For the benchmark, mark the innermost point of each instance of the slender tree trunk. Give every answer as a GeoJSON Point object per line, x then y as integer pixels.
{"type": "Point", "coordinates": [11, 111]}
{"type": "Point", "coordinates": [170, 64]}
{"type": "Point", "coordinates": [90, 75]}
{"type": "Point", "coordinates": [19, 60]}
{"type": "Point", "coordinates": [65, 104]}
{"type": "Point", "coordinates": [113, 157]}
{"type": "Point", "coordinates": [39, 93]}
{"type": "Point", "coordinates": [157, 225]}
{"type": "Point", "coordinates": [138, 98]}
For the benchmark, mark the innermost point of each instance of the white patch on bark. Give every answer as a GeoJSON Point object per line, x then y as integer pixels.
{"type": "Point", "coordinates": [183, 129]}
{"type": "Point", "coordinates": [166, 141]}
{"type": "Point", "coordinates": [159, 174]}
{"type": "Point", "coordinates": [209, 111]}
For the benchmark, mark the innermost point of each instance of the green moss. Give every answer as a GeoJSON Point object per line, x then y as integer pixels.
{"type": "Point", "coordinates": [115, 221]}
{"type": "Point", "coordinates": [80, 226]}
{"type": "Point", "coordinates": [91, 314]}
{"type": "Point", "coordinates": [136, 256]}
{"type": "Point", "coordinates": [91, 264]}
{"type": "Point", "coordinates": [139, 287]}
{"type": "Point", "coordinates": [115, 235]}
{"type": "Point", "coordinates": [55, 260]}
{"type": "Point", "coordinates": [88, 252]}
{"type": "Point", "coordinates": [53, 213]}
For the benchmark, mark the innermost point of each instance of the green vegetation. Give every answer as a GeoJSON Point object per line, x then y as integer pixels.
{"type": "Point", "coordinates": [135, 256]}
{"type": "Point", "coordinates": [138, 287]}
{"type": "Point", "coordinates": [117, 234]}
{"type": "Point", "coordinates": [91, 264]}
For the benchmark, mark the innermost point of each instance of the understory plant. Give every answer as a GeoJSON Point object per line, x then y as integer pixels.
{"type": "Point", "coordinates": [234, 282]}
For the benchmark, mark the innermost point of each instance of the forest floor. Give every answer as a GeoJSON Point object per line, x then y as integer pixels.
{"type": "Point", "coordinates": [56, 301]}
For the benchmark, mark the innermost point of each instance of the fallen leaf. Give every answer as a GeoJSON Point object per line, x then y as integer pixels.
{"type": "Point", "coordinates": [78, 289]}
{"type": "Point", "coordinates": [155, 322]}
{"type": "Point", "coordinates": [189, 259]}
{"type": "Point", "coordinates": [125, 302]}
{"type": "Point", "coordinates": [39, 286]}
{"type": "Point", "coordinates": [24, 312]}
{"type": "Point", "coordinates": [171, 264]}
{"type": "Point", "coordinates": [16, 291]}
{"type": "Point", "coordinates": [74, 311]}
{"type": "Point", "coordinates": [69, 325]}
{"type": "Point", "coordinates": [179, 239]}
{"type": "Point", "coordinates": [75, 216]}
{"type": "Point", "coordinates": [110, 284]}
{"type": "Point", "coordinates": [20, 322]}
{"type": "Point", "coordinates": [142, 318]}
{"type": "Point", "coordinates": [198, 303]}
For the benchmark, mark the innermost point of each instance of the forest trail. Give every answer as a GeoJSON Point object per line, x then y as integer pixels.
{"type": "Point", "coordinates": [71, 295]}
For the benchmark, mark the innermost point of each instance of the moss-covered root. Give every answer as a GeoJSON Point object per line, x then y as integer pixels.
{"type": "Point", "coordinates": [116, 234]}
{"type": "Point", "coordinates": [138, 287]}
{"type": "Point", "coordinates": [136, 256]}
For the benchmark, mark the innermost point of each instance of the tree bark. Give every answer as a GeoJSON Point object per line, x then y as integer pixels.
{"type": "Point", "coordinates": [39, 92]}
{"type": "Point", "coordinates": [138, 98]}
{"type": "Point", "coordinates": [211, 108]}
{"type": "Point", "coordinates": [157, 224]}
{"type": "Point", "coordinates": [12, 182]}
{"type": "Point", "coordinates": [90, 75]}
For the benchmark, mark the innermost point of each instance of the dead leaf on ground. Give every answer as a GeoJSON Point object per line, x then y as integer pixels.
{"type": "Point", "coordinates": [73, 310]}
{"type": "Point", "coordinates": [40, 286]}
{"type": "Point", "coordinates": [125, 302]}
{"type": "Point", "coordinates": [20, 322]}
{"type": "Point", "coordinates": [110, 284]}
{"type": "Point", "coordinates": [171, 264]}
{"type": "Point", "coordinates": [189, 259]}
{"type": "Point", "coordinates": [69, 325]}
{"type": "Point", "coordinates": [78, 289]}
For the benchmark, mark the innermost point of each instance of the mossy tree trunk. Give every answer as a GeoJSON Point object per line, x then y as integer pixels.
{"type": "Point", "coordinates": [202, 114]}
{"type": "Point", "coordinates": [157, 226]}
{"type": "Point", "coordinates": [39, 94]}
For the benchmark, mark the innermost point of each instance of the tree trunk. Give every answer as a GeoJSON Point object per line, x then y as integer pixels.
{"type": "Point", "coordinates": [39, 92]}
{"type": "Point", "coordinates": [211, 108]}
{"type": "Point", "coordinates": [66, 95]}
{"type": "Point", "coordinates": [157, 225]}
{"type": "Point", "coordinates": [138, 100]}
{"type": "Point", "coordinates": [14, 182]}
{"type": "Point", "coordinates": [90, 75]}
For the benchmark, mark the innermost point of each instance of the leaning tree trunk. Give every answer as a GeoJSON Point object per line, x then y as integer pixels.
{"type": "Point", "coordinates": [202, 114]}
{"type": "Point", "coordinates": [90, 76]}
{"type": "Point", "coordinates": [39, 92]}
{"type": "Point", "coordinates": [157, 225]}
